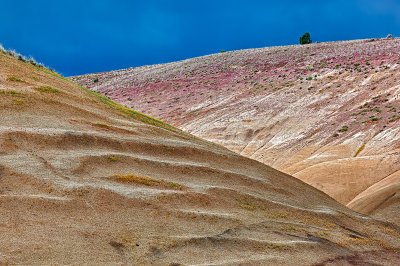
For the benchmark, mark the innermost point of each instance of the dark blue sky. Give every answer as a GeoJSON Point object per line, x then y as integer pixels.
{"type": "Point", "coordinates": [84, 36]}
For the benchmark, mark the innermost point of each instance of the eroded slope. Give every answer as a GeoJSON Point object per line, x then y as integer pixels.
{"type": "Point", "coordinates": [85, 181]}
{"type": "Point", "coordinates": [326, 113]}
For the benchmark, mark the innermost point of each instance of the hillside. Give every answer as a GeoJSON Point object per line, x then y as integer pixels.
{"type": "Point", "coordinates": [326, 113]}
{"type": "Point", "coordinates": [86, 181]}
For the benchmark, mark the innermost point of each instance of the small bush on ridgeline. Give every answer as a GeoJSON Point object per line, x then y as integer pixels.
{"type": "Point", "coordinates": [96, 80]}
{"type": "Point", "coordinates": [22, 58]}
{"type": "Point", "coordinates": [305, 39]}
{"type": "Point", "coordinates": [32, 61]}
{"type": "Point", "coordinates": [223, 51]}
{"type": "Point", "coordinates": [12, 53]}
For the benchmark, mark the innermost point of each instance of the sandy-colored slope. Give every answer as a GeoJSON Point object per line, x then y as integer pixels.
{"type": "Point", "coordinates": [326, 113]}
{"type": "Point", "coordinates": [85, 181]}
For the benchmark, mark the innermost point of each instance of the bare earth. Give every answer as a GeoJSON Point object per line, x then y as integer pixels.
{"type": "Point", "coordinates": [325, 113]}
{"type": "Point", "coordinates": [85, 181]}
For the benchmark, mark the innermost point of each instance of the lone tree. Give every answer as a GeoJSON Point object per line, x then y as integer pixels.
{"type": "Point", "coordinates": [305, 39]}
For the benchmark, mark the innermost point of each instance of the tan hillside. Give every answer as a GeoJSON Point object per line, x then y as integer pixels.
{"type": "Point", "coordinates": [326, 113]}
{"type": "Point", "coordinates": [85, 181]}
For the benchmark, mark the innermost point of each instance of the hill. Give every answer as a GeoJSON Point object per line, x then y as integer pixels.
{"type": "Point", "coordinates": [87, 181]}
{"type": "Point", "coordinates": [326, 113]}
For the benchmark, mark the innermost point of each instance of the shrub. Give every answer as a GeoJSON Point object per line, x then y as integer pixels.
{"type": "Point", "coordinates": [32, 61]}
{"type": "Point", "coordinates": [21, 58]}
{"type": "Point", "coordinates": [305, 39]}
{"type": "Point", "coordinates": [344, 128]}
{"type": "Point", "coordinates": [96, 80]}
{"type": "Point", "coordinates": [223, 51]}
{"type": "Point", "coordinates": [12, 53]}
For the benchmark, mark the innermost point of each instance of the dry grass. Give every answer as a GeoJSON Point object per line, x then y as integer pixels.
{"type": "Point", "coordinates": [359, 150]}
{"type": "Point", "coordinates": [318, 222]}
{"type": "Point", "coordinates": [247, 204]}
{"type": "Point", "coordinates": [146, 180]}
{"type": "Point", "coordinates": [12, 78]}
{"type": "Point", "coordinates": [47, 89]}
{"type": "Point", "coordinates": [11, 93]}
{"type": "Point", "coordinates": [132, 178]}
{"type": "Point", "coordinates": [280, 215]}
{"type": "Point", "coordinates": [102, 125]}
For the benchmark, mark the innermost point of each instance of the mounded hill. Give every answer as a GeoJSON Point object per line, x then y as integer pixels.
{"type": "Point", "coordinates": [86, 181]}
{"type": "Point", "coordinates": [326, 113]}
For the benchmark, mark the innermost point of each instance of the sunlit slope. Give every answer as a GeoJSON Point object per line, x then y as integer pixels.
{"type": "Point", "coordinates": [85, 181]}
{"type": "Point", "coordinates": [327, 113]}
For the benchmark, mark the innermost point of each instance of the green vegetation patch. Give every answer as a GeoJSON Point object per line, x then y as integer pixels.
{"type": "Point", "coordinates": [11, 92]}
{"type": "Point", "coordinates": [145, 180]}
{"type": "Point", "coordinates": [47, 89]}
{"type": "Point", "coordinates": [131, 113]}
{"type": "Point", "coordinates": [372, 119]}
{"type": "Point", "coordinates": [112, 159]}
{"type": "Point", "coordinates": [12, 78]}
{"type": "Point", "coordinates": [132, 178]}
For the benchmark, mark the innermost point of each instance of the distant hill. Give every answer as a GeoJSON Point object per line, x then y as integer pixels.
{"type": "Point", "coordinates": [327, 113]}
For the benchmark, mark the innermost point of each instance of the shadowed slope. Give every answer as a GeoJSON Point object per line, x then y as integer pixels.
{"type": "Point", "coordinates": [85, 181]}
{"type": "Point", "coordinates": [326, 113]}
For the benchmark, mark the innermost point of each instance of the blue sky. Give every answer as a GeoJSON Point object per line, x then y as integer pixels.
{"type": "Point", "coordinates": [84, 36]}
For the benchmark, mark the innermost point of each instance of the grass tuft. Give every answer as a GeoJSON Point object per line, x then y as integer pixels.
{"type": "Point", "coordinates": [112, 159]}
{"type": "Point", "coordinates": [359, 150]}
{"type": "Point", "coordinates": [146, 180]}
{"type": "Point", "coordinates": [132, 178]}
{"type": "Point", "coordinates": [102, 125]}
